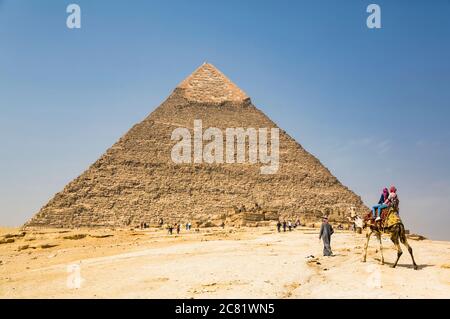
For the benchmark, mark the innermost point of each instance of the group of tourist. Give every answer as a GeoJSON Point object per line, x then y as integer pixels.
{"type": "Point", "coordinates": [177, 226]}
{"type": "Point", "coordinates": [171, 227]}
{"type": "Point", "coordinates": [287, 225]}
{"type": "Point", "coordinates": [389, 198]}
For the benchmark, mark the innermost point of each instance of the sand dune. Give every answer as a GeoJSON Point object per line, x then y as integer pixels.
{"type": "Point", "coordinates": [215, 263]}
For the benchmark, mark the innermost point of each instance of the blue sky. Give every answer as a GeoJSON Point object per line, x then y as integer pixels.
{"type": "Point", "coordinates": [372, 105]}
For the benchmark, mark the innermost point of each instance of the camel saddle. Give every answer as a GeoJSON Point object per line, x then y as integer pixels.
{"type": "Point", "coordinates": [389, 218]}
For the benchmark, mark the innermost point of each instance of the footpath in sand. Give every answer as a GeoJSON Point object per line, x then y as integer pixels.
{"type": "Point", "coordinates": [214, 263]}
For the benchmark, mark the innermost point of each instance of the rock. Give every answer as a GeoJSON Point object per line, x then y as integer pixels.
{"type": "Point", "coordinates": [311, 259]}
{"type": "Point", "coordinates": [23, 247]}
{"type": "Point", "coordinates": [253, 217]}
{"type": "Point", "coordinates": [416, 237]}
{"type": "Point", "coordinates": [7, 241]}
{"type": "Point", "coordinates": [271, 216]}
{"type": "Point", "coordinates": [45, 246]}
{"type": "Point", "coordinates": [21, 234]}
{"type": "Point", "coordinates": [101, 236]}
{"type": "Point", "coordinates": [209, 224]}
{"type": "Point", "coordinates": [75, 237]}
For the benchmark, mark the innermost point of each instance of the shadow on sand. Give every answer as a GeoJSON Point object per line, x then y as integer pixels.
{"type": "Point", "coordinates": [419, 267]}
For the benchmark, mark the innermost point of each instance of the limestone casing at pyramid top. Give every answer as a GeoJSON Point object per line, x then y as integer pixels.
{"type": "Point", "coordinates": [208, 85]}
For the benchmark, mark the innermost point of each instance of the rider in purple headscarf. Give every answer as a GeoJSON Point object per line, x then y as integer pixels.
{"type": "Point", "coordinates": [381, 204]}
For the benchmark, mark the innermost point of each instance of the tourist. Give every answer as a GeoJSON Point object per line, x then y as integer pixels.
{"type": "Point", "coordinates": [284, 225]}
{"type": "Point", "coordinates": [393, 200]}
{"type": "Point", "coordinates": [187, 226]}
{"type": "Point", "coordinates": [170, 228]}
{"type": "Point", "coordinates": [290, 225]}
{"type": "Point", "coordinates": [178, 228]}
{"type": "Point", "coordinates": [279, 226]}
{"type": "Point", "coordinates": [382, 203]}
{"type": "Point", "coordinates": [223, 225]}
{"type": "Point", "coordinates": [325, 234]}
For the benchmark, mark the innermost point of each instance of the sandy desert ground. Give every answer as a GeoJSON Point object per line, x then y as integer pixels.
{"type": "Point", "coordinates": [214, 263]}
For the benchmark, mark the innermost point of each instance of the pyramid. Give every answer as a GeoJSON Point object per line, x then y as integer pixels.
{"type": "Point", "coordinates": [137, 181]}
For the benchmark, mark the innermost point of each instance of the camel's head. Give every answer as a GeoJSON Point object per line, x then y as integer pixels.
{"type": "Point", "coordinates": [366, 219]}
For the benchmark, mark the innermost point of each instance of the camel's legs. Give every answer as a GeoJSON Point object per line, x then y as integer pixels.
{"type": "Point", "coordinates": [381, 247]}
{"type": "Point", "coordinates": [405, 242]}
{"type": "Point", "coordinates": [369, 233]}
{"type": "Point", "coordinates": [396, 242]}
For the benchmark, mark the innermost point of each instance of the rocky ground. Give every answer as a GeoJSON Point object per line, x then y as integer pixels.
{"type": "Point", "coordinates": [213, 263]}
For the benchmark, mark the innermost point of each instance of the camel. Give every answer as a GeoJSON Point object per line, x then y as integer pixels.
{"type": "Point", "coordinates": [392, 226]}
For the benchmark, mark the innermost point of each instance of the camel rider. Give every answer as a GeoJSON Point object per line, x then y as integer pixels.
{"type": "Point", "coordinates": [393, 200]}
{"type": "Point", "coordinates": [382, 203]}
